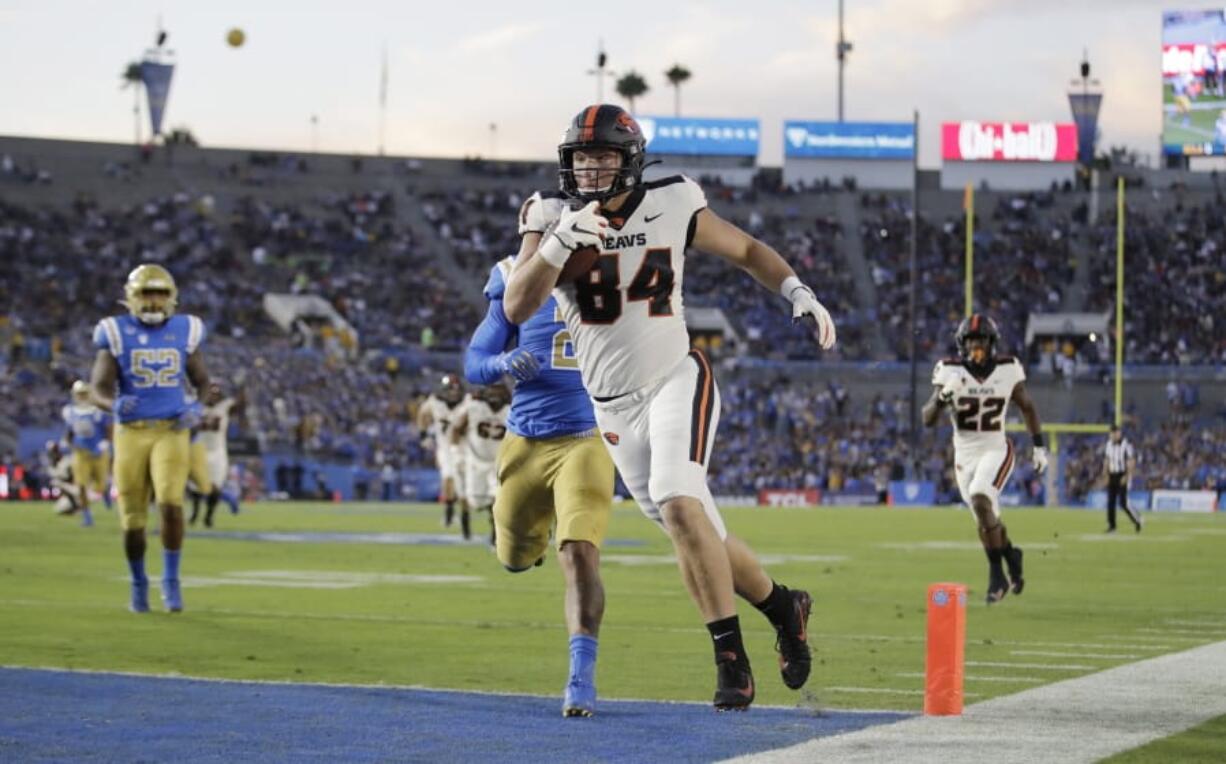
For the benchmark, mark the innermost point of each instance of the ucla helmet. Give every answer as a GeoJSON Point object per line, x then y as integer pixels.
{"type": "Point", "coordinates": [143, 282]}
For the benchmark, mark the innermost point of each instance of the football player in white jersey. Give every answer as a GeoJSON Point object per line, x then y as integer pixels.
{"type": "Point", "coordinates": [211, 435]}
{"type": "Point", "coordinates": [479, 428]}
{"type": "Point", "coordinates": [656, 401]}
{"type": "Point", "coordinates": [435, 416]}
{"type": "Point", "coordinates": [977, 388]}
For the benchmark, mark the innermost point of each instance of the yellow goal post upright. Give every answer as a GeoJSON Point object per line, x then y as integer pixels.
{"type": "Point", "coordinates": [1053, 430]}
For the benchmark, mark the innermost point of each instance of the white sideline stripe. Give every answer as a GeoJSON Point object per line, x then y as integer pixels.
{"type": "Point", "coordinates": [1136, 641]}
{"type": "Point", "coordinates": [1214, 634]}
{"type": "Point", "coordinates": [1103, 656]}
{"type": "Point", "coordinates": [880, 690]}
{"type": "Point", "coordinates": [1197, 632]}
{"type": "Point", "coordinates": [1047, 666]}
{"type": "Point", "coordinates": [970, 678]}
{"type": "Point", "coordinates": [818, 636]}
{"type": "Point", "coordinates": [1078, 720]}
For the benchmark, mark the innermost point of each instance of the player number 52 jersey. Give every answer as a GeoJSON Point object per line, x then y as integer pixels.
{"type": "Point", "coordinates": [979, 407]}
{"type": "Point", "coordinates": [626, 316]}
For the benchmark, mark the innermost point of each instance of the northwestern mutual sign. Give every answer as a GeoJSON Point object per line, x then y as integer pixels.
{"type": "Point", "coordinates": [849, 140]}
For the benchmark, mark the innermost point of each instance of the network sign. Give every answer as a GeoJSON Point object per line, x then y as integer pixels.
{"type": "Point", "coordinates": [1009, 141]}
{"type": "Point", "coordinates": [701, 137]}
{"type": "Point", "coordinates": [849, 140]}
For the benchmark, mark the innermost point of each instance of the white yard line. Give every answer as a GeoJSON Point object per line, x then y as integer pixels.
{"type": "Point", "coordinates": [973, 678]}
{"type": "Point", "coordinates": [1078, 720]}
{"type": "Point", "coordinates": [1102, 656]}
{"type": "Point", "coordinates": [1042, 666]}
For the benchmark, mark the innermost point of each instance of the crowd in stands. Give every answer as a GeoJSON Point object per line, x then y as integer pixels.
{"type": "Point", "coordinates": [1174, 281]}
{"type": "Point", "coordinates": [348, 248]}
{"type": "Point", "coordinates": [389, 281]}
{"type": "Point", "coordinates": [1023, 264]}
{"type": "Point", "coordinates": [1180, 454]}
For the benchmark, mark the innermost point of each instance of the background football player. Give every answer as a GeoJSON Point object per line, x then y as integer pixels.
{"type": "Point", "coordinates": [656, 401]}
{"type": "Point", "coordinates": [144, 362]}
{"type": "Point", "coordinates": [210, 437]}
{"type": "Point", "coordinates": [552, 469]}
{"type": "Point", "coordinates": [435, 416]}
{"type": "Point", "coordinates": [89, 432]}
{"type": "Point", "coordinates": [58, 464]}
{"type": "Point", "coordinates": [977, 388]}
{"type": "Point", "coordinates": [479, 427]}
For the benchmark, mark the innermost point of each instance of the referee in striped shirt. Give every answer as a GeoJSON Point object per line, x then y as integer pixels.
{"type": "Point", "coordinates": [1119, 460]}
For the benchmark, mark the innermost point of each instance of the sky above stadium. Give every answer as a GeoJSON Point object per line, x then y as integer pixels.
{"type": "Point", "coordinates": [456, 68]}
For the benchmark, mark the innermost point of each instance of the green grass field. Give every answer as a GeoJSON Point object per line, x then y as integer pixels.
{"type": "Point", "coordinates": [350, 613]}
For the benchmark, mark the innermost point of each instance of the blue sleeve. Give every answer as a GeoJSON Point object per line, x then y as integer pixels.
{"type": "Point", "coordinates": [495, 286]}
{"type": "Point", "coordinates": [100, 339]}
{"type": "Point", "coordinates": [488, 342]}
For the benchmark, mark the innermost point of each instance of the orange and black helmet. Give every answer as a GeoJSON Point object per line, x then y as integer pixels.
{"type": "Point", "coordinates": [602, 126]}
{"type": "Point", "coordinates": [977, 325]}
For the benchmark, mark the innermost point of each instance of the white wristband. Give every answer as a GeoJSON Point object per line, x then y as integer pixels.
{"type": "Point", "coordinates": [790, 285]}
{"type": "Point", "coordinates": [552, 250]}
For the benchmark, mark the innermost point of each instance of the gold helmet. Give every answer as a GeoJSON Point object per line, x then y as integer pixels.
{"type": "Point", "coordinates": [143, 280]}
{"type": "Point", "coordinates": [80, 391]}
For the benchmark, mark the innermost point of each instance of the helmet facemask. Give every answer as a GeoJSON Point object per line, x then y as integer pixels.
{"type": "Point", "coordinates": [609, 181]}
{"type": "Point", "coordinates": [150, 294]}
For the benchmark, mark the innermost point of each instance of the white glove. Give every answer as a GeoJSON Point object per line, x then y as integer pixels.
{"type": "Point", "coordinates": [1039, 456]}
{"type": "Point", "coordinates": [573, 230]}
{"type": "Point", "coordinates": [949, 391]}
{"type": "Point", "coordinates": [805, 304]}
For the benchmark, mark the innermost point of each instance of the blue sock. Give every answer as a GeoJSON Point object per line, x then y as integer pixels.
{"type": "Point", "coordinates": [138, 571]}
{"type": "Point", "coordinates": [106, 497]}
{"type": "Point", "coordinates": [86, 517]}
{"type": "Point", "coordinates": [232, 500]}
{"type": "Point", "coordinates": [170, 562]}
{"type": "Point", "coordinates": [582, 658]}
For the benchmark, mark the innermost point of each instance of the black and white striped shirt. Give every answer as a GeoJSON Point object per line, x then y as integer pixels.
{"type": "Point", "coordinates": [1118, 455]}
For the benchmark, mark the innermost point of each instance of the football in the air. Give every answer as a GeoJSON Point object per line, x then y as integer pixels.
{"type": "Point", "coordinates": [578, 264]}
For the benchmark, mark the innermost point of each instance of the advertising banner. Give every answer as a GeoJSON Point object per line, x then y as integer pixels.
{"type": "Point", "coordinates": [700, 137]}
{"type": "Point", "coordinates": [1097, 499]}
{"type": "Point", "coordinates": [971, 141]}
{"type": "Point", "coordinates": [1184, 501]}
{"type": "Point", "coordinates": [849, 140]}
{"type": "Point", "coordinates": [904, 493]}
{"type": "Point", "coordinates": [788, 497]}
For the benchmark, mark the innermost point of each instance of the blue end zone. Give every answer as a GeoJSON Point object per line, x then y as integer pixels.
{"type": "Point", "coordinates": [62, 716]}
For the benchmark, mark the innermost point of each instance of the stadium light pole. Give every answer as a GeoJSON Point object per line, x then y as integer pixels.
{"type": "Point", "coordinates": [911, 302]}
{"type": "Point", "coordinates": [841, 50]}
{"type": "Point", "coordinates": [600, 71]}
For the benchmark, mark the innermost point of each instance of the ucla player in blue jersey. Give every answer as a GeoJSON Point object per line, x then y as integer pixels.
{"type": "Point", "coordinates": [89, 432]}
{"type": "Point", "coordinates": [551, 466]}
{"type": "Point", "coordinates": [144, 361]}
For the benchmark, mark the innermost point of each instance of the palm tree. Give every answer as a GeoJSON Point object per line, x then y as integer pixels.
{"type": "Point", "coordinates": [630, 86]}
{"type": "Point", "coordinates": [131, 78]}
{"type": "Point", "coordinates": [676, 77]}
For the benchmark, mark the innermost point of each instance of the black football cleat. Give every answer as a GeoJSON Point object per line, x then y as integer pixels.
{"type": "Point", "coordinates": [1013, 559]}
{"type": "Point", "coordinates": [792, 642]}
{"type": "Point", "coordinates": [998, 587]}
{"type": "Point", "coordinates": [734, 683]}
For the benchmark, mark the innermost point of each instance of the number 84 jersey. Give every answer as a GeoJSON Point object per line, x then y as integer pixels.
{"type": "Point", "coordinates": [626, 315]}
{"type": "Point", "coordinates": [980, 403]}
